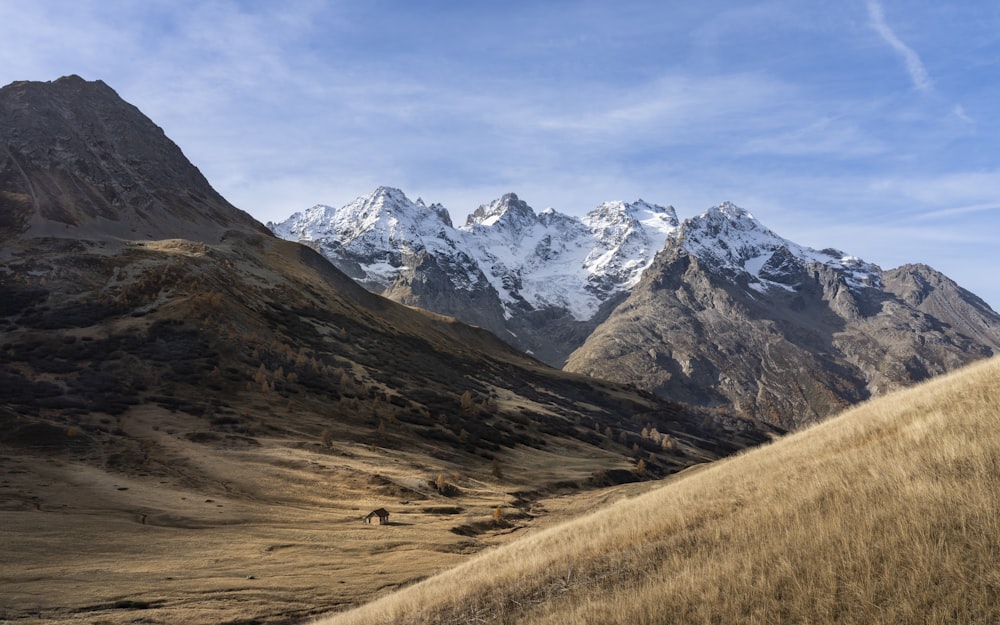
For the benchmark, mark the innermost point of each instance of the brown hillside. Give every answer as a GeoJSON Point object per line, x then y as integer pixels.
{"type": "Point", "coordinates": [886, 514]}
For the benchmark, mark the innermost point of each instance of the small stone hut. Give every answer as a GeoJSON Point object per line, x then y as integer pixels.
{"type": "Point", "coordinates": [377, 517]}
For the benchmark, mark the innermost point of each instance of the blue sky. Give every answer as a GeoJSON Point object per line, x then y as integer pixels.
{"type": "Point", "coordinates": [871, 126]}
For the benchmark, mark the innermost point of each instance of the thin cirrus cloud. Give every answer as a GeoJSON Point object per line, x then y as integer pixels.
{"type": "Point", "coordinates": [914, 66]}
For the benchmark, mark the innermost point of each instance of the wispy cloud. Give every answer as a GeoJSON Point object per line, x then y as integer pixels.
{"type": "Point", "coordinates": [915, 67]}
{"type": "Point", "coordinates": [957, 211]}
{"type": "Point", "coordinates": [960, 188]}
{"type": "Point", "coordinates": [958, 111]}
{"type": "Point", "coordinates": [837, 138]}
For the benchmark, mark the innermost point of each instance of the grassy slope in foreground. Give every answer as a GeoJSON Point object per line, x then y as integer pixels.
{"type": "Point", "coordinates": [889, 513]}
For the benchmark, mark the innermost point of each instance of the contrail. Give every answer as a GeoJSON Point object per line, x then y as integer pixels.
{"type": "Point", "coordinates": [915, 67]}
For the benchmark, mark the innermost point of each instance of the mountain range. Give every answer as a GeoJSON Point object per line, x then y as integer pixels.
{"type": "Point", "coordinates": [717, 311]}
{"type": "Point", "coordinates": [175, 380]}
{"type": "Point", "coordinates": [540, 281]}
{"type": "Point", "coordinates": [108, 279]}
{"type": "Point", "coordinates": [196, 415]}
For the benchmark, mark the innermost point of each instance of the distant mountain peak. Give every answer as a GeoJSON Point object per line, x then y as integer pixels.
{"type": "Point", "coordinates": [508, 208]}
{"type": "Point", "coordinates": [732, 241]}
{"type": "Point", "coordinates": [618, 212]}
{"type": "Point", "coordinates": [388, 194]}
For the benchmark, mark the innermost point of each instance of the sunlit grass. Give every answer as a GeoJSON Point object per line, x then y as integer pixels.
{"type": "Point", "coordinates": [889, 513]}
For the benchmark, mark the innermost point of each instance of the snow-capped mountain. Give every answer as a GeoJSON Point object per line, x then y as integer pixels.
{"type": "Point", "coordinates": [552, 260]}
{"type": "Point", "coordinates": [525, 271]}
{"type": "Point", "coordinates": [628, 236]}
{"type": "Point", "coordinates": [372, 237]}
{"type": "Point", "coordinates": [729, 239]}
{"type": "Point", "coordinates": [718, 310]}
{"type": "Point", "coordinates": [731, 314]}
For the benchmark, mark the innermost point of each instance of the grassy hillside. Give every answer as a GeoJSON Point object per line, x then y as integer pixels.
{"type": "Point", "coordinates": [889, 513]}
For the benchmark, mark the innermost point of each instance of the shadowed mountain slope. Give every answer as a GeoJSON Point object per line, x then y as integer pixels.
{"type": "Point", "coordinates": [77, 161]}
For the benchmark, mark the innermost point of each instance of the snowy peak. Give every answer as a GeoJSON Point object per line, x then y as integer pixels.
{"type": "Point", "coordinates": [628, 237]}
{"type": "Point", "coordinates": [386, 211]}
{"type": "Point", "coordinates": [728, 238]}
{"type": "Point", "coordinates": [613, 222]}
{"type": "Point", "coordinates": [726, 234]}
{"type": "Point", "coordinates": [615, 213]}
{"type": "Point", "coordinates": [387, 206]}
{"type": "Point", "coordinates": [508, 210]}
{"type": "Point", "coordinates": [374, 237]}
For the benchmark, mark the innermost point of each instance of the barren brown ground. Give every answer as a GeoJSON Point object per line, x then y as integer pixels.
{"type": "Point", "coordinates": [219, 533]}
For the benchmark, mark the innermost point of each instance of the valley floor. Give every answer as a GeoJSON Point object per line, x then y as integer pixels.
{"type": "Point", "coordinates": [229, 532]}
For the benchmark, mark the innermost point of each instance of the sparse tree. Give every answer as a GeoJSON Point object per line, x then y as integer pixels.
{"type": "Point", "coordinates": [468, 406]}
{"type": "Point", "coordinates": [496, 470]}
{"type": "Point", "coordinates": [498, 515]}
{"type": "Point", "coordinates": [346, 381]}
{"type": "Point", "coordinates": [441, 483]}
{"type": "Point", "coordinates": [640, 468]}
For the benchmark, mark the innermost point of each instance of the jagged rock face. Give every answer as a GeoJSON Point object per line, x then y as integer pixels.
{"type": "Point", "coordinates": [377, 237]}
{"type": "Point", "coordinates": [540, 281]}
{"type": "Point", "coordinates": [730, 314]}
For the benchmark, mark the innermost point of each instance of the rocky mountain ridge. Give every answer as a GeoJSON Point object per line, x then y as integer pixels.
{"type": "Point", "coordinates": [728, 314]}
{"type": "Point", "coordinates": [201, 310]}
{"type": "Point", "coordinates": [540, 281]}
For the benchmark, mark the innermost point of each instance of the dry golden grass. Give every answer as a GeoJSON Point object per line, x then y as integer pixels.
{"type": "Point", "coordinates": [266, 533]}
{"type": "Point", "coordinates": [889, 513]}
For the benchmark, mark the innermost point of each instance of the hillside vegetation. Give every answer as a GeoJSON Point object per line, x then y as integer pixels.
{"type": "Point", "coordinates": [889, 513]}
